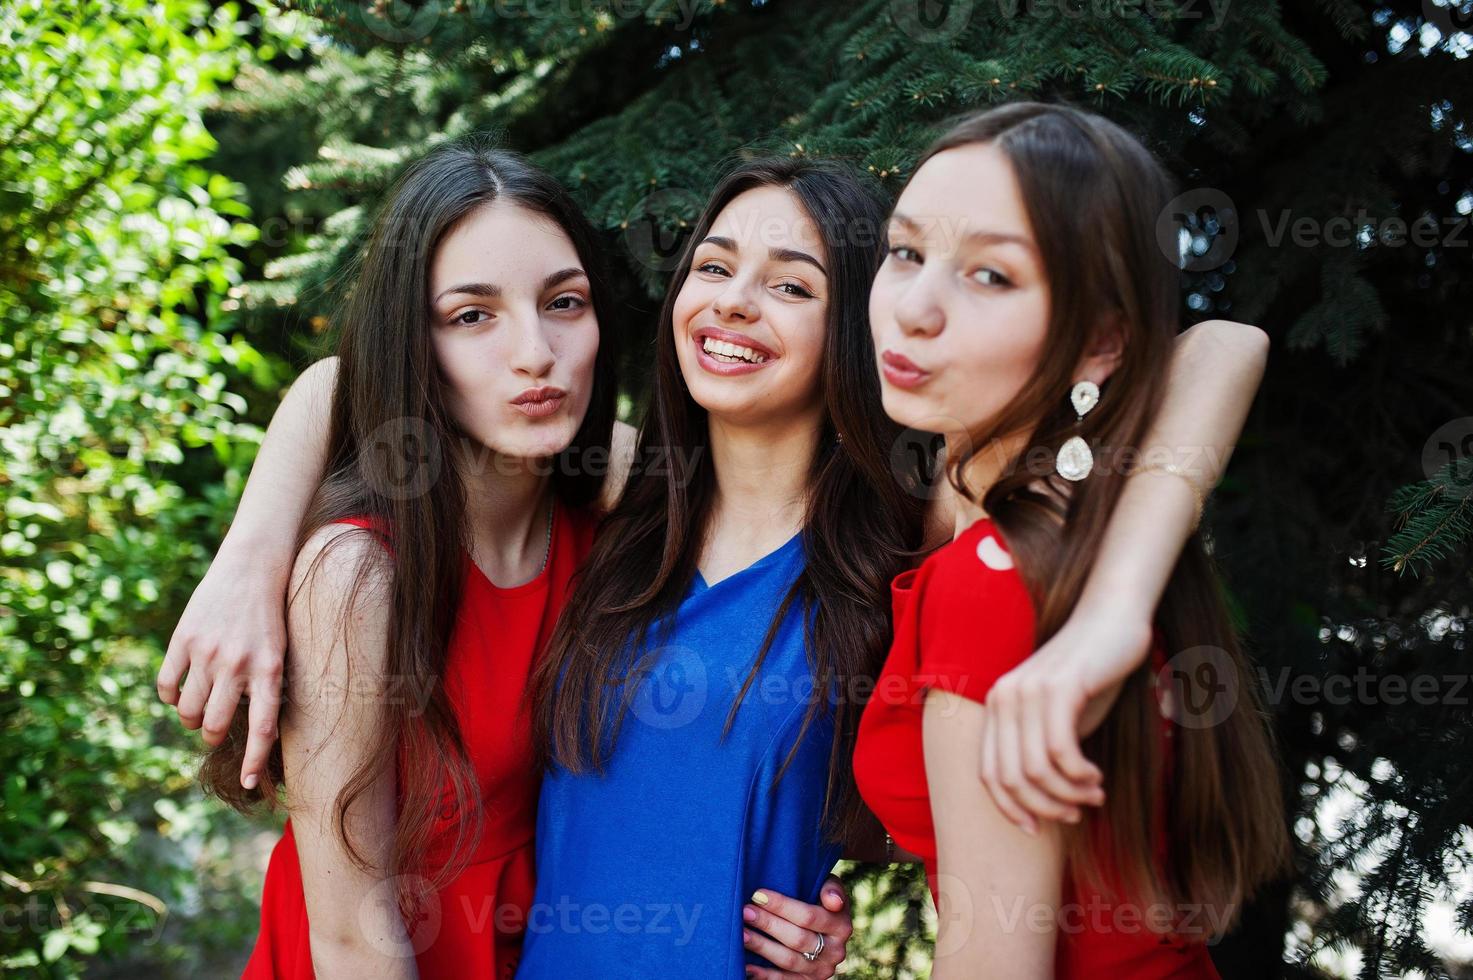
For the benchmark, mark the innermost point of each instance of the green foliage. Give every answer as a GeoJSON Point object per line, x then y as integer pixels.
{"type": "Point", "coordinates": [124, 446]}
{"type": "Point", "coordinates": [1435, 518]}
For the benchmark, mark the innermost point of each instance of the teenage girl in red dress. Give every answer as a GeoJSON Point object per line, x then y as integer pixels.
{"type": "Point", "coordinates": [1025, 301]}
{"type": "Point", "coordinates": [407, 663]}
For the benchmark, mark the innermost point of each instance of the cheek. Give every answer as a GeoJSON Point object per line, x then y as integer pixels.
{"type": "Point", "coordinates": [881, 303]}
{"type": "Point", "coordinates": [1001, 356]}
{"type": "Point", "coordinates": [581, 352]}
{"type": "Point", "coordinates": [803, 350]}
{"type": "Point", "coordinates": [457, 367]}
{"type": "Point", "coordinates": [688, 302]}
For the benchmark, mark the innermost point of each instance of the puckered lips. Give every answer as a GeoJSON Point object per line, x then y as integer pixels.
{"type": "Point", "coordinates": [540, 402]}
{"type": "Point", "coordinates": [728, 353]}
{"type": "Point", "coordinates": [901, 371]}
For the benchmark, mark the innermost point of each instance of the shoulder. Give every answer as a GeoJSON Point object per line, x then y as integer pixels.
{"type": "Point", "coordinates": [622, 445]}
{"type": "Point", "coordinates": [978, 563]}
{"type": "Point", "coordinates": [976, 616]}
{"type": "Point", "coordinates": [340, 581]}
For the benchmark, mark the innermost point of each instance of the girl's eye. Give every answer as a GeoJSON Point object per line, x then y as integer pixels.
{"type": "Point", "coordinates": [712, 268]}
{"type": "Point", "coordinates": [795, 289]}
{"type": "Point", "coordinates": [568, 302]}
{"type": "Point", "coordinates": [904, 253]}
{"type": "Point", "coordinates": [463, 319]}
{"type": "Point", "coordinates": [991, 277]}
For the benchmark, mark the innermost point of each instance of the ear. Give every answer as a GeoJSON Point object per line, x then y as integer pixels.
{"type": "Point", "coordinates": [1103, 353]}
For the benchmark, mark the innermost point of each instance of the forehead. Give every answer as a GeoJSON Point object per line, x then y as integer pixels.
{"type": "Point", "coordinates": [768, 217]}
{"type": "Point", "coordinates": [502, 242]}
{"type": "Point", "coordinates": [965, 189]}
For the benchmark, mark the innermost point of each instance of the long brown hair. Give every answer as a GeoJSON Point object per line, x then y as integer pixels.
{"type": "Point", "coordinates": [1093, 193]}
{"type": "Point", "coordinates": [859, 530]}
{"type": "Point", "coordinates": [390, 428]}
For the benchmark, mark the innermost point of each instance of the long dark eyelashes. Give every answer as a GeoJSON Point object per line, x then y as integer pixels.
{"type": "Point", "coordinates": [704, 266]}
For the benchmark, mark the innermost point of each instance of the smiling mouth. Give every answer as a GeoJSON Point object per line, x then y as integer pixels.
{"type": "Point", "coordinates": [729, 353]}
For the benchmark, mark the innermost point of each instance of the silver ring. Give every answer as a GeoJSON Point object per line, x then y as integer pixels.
{"type": "Point", "coordinates": [810, 957]}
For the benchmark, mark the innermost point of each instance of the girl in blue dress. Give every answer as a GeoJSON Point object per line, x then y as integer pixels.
{"type": "Point", "coordinates": [691, 697]}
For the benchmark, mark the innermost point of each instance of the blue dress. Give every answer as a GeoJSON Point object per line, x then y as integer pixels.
{"type": "Point", "coordinates": [643, 871]}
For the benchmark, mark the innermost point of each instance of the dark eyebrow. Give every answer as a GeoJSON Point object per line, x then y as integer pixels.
{"type": "Point", "coordinates": [980, 236]}
{"type": "Point", "coordinates": [776, 254]}
{"type": "Point", "coordinates": [490, 290]}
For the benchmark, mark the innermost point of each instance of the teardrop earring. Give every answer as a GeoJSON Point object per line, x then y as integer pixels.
{"type": "Point", "coordinates": [1074, 460]}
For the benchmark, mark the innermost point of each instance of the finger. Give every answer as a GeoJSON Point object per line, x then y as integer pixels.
{"type": "Point", "coordinates": [833, 897]}
{"type": "Point", "coordinates": [263, 711]}
{"type": "Point", "coordinates": [799, 940]}
{"type": "Point", "coordinates": [1068, 756]}
{"type": "Point", "coordinates": [782, 956]}
{"type": "Point", "coordinates": [1010, 772]}
{"type": "Point", "coordinates": [194, 695]}
{"type": "Point", "coordinates": [1019, 761]}
{"type": "Point", "coordinates": [814, 918]}
{"type": "Point", "coordinates": [224, 699]}
{"type": "Point", "coordinates": [1039, 771]}
{"type": "Point", "coordinates": [171, 672]}
{"type": "Point", "coordinates": [768, 973]}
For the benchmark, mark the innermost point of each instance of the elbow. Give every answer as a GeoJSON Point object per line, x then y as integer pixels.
{"type": "Point", "coordinates": [1238, 348]}
{"type": "Point", "coordinates": [1251, 341]}
{"type": "Point", "coordinates": [342, 950]}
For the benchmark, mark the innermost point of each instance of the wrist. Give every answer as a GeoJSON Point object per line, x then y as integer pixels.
{"type": "Point", "coordinates": [1116, 607]}
{"type": "Point", "coordinates": [258, 553]}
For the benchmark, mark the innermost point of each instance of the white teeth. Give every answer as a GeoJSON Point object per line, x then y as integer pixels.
{"type": "Point", "coordinates": [731, 352]}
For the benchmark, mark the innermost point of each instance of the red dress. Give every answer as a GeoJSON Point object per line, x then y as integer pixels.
{"type": "Point", "coordinates": [475, 928]}
{"type": "Point", "coordinates": [962, 621]}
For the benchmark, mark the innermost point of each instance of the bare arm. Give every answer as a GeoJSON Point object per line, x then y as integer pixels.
{"type": "Point", "coordinates": [232, 637]}
{"type": "Point", "coordinates": [339, 685]}
{"type": "Point", "coordinates": [1215, 373]}
{"type": "Point", "coordinates": [622, 446]}
{"type": "Point", "coordinates": [1042, 707]}
{"type": "Point", "coordinates": [998, 889]}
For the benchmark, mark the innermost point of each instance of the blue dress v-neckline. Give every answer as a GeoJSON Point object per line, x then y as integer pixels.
{"type": "Point", "coordinates": [699, 584]}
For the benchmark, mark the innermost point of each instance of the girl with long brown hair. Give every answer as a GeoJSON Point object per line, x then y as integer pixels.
{"type": "Point", "coordinates": [1050, 360]}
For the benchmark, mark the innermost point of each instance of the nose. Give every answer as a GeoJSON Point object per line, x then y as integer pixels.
{"type": "Point", "coordinates": [734, 302]}
{"type": "Point", "coordinates": [532, 355]}
{"type": "Point", "coordinates": [917, 310]}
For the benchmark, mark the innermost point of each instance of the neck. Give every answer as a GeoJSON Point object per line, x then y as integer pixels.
{"type": "Point", "coordinates": [762, 471]}
{"type": "Point", "coordinates": [506, 500]}
{"type": "Point", "coordinates": [988, 465]}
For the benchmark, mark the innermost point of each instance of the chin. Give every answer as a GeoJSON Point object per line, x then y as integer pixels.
{"type": "Point", "coordinates": [904, 409]}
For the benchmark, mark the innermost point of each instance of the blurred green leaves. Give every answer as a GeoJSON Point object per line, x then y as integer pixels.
{"type": "Point", "coordinates": [123, 447]}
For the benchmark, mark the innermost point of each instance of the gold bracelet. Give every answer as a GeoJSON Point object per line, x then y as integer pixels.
{"type": "Point", "coordinates": [1171, 469]}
